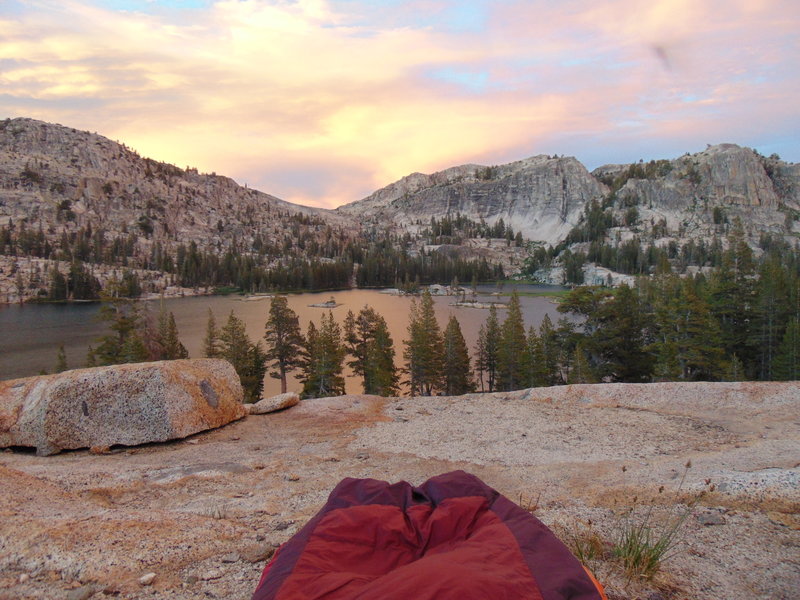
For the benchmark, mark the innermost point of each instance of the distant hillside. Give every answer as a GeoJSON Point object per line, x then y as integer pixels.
{"type": "Point", "coordinates": [59, 175]}
{"type": "Point", "coordinates": [73, 195]}
{"type": "Point", "coordinates": [691, 201]}
{"type": "Point", "coordinates": [68, 195]}
{"type": "Point", "coordinates": [542, 197]}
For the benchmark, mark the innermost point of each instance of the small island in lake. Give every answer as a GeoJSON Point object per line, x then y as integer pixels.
{"type": "Point", "coordinates": [328, 304]}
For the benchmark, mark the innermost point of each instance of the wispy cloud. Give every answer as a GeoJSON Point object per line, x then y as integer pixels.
{"type": "Point", "coordinates": [321, 102]}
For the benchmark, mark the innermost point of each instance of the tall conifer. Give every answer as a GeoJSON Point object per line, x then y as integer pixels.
{"type": "Point", "coordinates": [491, 347]}
{"type": "Point", "coordinates": [513, 361]}
{"type": "Point", "coordinates": [368, 341]}
{"type": "Point", "coordinates": [324, 355]}
{"type": "Point", "coordinates": [61, 360]}
{"type": "Point", "coordinates": [424, 350]}
{"type": "Point", "coordinates": [787, 359]}
{"type": "Point", "coordinates": [457, 374]}
{"type": "Point", "coordinates": [211, 341]}
{"type": "Point", "coordinates": [380, 372]}
{"type": "Point", "coordinates": [248, 359]}
{"type": "Point", "coordinates": [284, 340]}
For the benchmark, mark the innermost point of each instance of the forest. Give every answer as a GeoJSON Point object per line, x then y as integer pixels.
{"type": "Point", "coordinates": [737, 321]}
{"type": "Point", "coordinates": [301, 262]}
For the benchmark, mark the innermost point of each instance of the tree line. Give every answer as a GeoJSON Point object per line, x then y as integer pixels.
{"type": "Point", "coordinates": [739, 321]}
{"type": "Point", "coordinates": [436, 361]}
{"type": "Point", "coordinates": [378, 260]}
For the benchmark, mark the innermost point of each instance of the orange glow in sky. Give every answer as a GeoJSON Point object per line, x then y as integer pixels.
{"type": "Point", "coordinates": [322, 102]}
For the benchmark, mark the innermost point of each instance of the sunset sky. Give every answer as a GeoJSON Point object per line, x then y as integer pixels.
{"type": "Point", "coordinates": [322, 102]}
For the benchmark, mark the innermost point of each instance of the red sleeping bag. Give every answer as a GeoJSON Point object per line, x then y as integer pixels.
{"type": "Point", "coordinates": [452, 538]}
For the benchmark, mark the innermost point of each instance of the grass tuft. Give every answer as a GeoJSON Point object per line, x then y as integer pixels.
{"type": "Point", "coordinates": [643, 543]}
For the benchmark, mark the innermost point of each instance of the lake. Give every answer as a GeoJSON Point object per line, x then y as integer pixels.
{"type": "Point", "coordinates": [30, 334]}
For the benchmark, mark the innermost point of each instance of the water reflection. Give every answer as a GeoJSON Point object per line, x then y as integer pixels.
{"type": "Point", "coordinates": [30, 335]}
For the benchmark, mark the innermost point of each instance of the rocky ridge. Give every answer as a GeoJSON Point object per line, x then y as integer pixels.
{"type": "Point", "coordinates": [58, 179]}
{"type": "Point", "coordinates": [734, 180]}
{"type": "Point", "coordinates": [542, 196]}
{"type": "Point", "coordinates": [695, 196]}
{"type": "Point", "coordinates": [110, 186]}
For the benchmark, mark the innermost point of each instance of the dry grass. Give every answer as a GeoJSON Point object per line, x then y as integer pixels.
{"type": "Point", "coordinates": [628, 552]}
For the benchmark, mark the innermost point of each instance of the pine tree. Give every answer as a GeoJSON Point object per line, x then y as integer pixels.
{"type": "Point", "coordinates": [481, 357]}
{"type": "Point", "coordinates": [619, 338]}
{"type": "Point", "coordinates": [731, 292]}
{"type": "Point", "coordinates": [125, 344]}
{"type": "Point", "coordinates": [380, 373]}
{"type": "Point", "coordinates": [235, 343]}
{"type": "Point", "coordinates": [581, 370]}
{"type": "Point", "coordinates": [772, 310]}
{"type": "Point", "coordinates": [537, 370]}
{"type": "Point", "coordinates": [284, 340]}
{"type": "Point", "coordinates": [699, 345]}
{"type": "Point", "coordinates": [252, 375]}
{"type": "Point", "coordinates": [491, 347]}
{"type": "Point", "coordinates": [58, 285]}
{"type": "Point", "coordinates": [248, 359]}
{"type": "Point", "coordinates": [81, 283]}
{"type": "Point", "coordinates": [211, 342]}
{"type": "Point", "coordinates": [548, 339]}
{"type": "Point", "coordinates": [173, 348]}
{"type": "Point", "coordinates": [61, 360]}
{"type": "Point", "coordinates": [368, 341]}
{"type": "Point", "coordinates": [735, 370]}
{"type": "Point", "coordinates": [91, 358]}
{"type": "Point", "coordinates": [457, 374]}
{"type": "Point", "coordinates": [424, 348]}
{"type": "Point", "coordinates": [687, 343]}
{"type": "Point", "coordinates": [165, 343]}
{"type": "Point", "coordinates": [324, 355]}
{"type": "Point", "coordinates": [667, 367]}
{"type": "Point", "coordinates": [512, 358]}
{"type": "Point", "coordinates": [787, 359]}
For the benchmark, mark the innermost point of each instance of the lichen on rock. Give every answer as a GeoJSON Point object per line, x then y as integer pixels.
{"type": "Point", "coordinates": [120, 404]}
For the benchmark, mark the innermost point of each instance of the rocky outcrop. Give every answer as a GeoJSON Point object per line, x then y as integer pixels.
{"type": "Point", "coordinates": [574, 453]}
{"type": "Point", "coordinates": [542, 197]}
{"type": "Point", "coordinates": [697, 195]}
{"type": "Point", "coordinates": [268, 405]}
{"type": "Point", "coordinates": [63, 182]}
{"type": "Point", "coordinates": [120, 404]}
{"type": "Point", "coordinates": [693, 196]}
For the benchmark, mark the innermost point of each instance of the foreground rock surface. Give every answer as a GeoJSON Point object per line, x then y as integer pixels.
{"type": "Point", "coordinates": [279, 402]}
{"type": "Point", "coordinates": [187, 510]}
{"type": "Point", "coordinates": [121, 404]}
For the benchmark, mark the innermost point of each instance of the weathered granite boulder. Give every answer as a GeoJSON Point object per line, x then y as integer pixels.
{"type": "Point", "coordinates": [120, 404]}
{"type": "Point", "coordinates": [268, 405]}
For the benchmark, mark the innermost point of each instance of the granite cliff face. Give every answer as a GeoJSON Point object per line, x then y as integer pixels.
{"type": "Point", "coordinates": [542, 197]}
{"type": "Point", "coordinates": [695, 194]}
{"type": "Point", "coordinates": [692, 196]}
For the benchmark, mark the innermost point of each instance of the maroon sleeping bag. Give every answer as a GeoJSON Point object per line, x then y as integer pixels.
{"type": "Point", "coordinates": [452, 538]}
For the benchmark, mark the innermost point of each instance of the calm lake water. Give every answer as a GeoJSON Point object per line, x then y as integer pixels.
{"type": "Point", "coordinates": [30, 334]}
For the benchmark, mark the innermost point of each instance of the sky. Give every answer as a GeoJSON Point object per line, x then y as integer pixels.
{"type": "Point", "coordinates": [321, 102]}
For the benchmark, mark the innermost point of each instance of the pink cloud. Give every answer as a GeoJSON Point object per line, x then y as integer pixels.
{"type": "Point", "coordinates": [249, 88]}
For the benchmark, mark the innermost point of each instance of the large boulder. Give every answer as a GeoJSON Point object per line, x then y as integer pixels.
{"type": "Point", "coordinates": [120, 404]}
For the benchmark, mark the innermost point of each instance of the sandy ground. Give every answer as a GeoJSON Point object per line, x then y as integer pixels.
{"type": "Point", "coordinates": [204, 513]}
